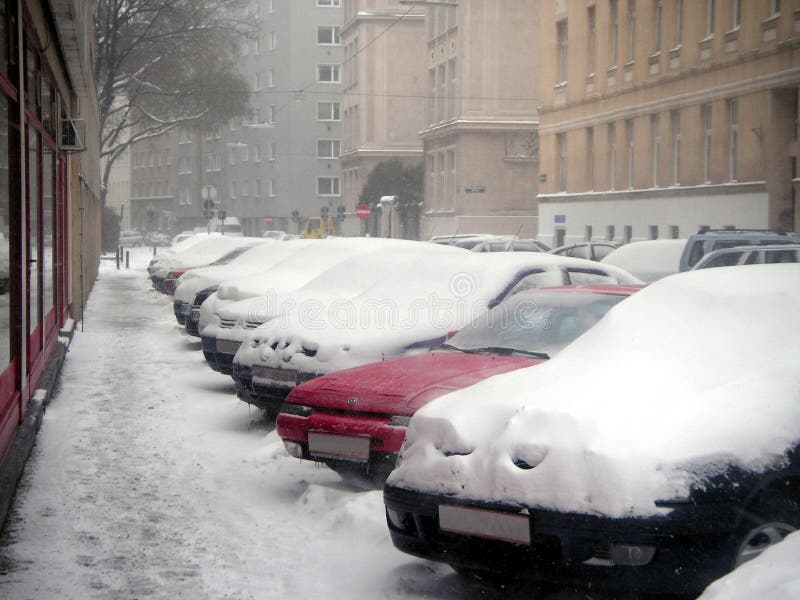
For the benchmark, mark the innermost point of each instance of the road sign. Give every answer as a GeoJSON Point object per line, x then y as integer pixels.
{"type": "Point", "coordinates": [267, 220]}
{"type": "Point", "coordinates": [363, 211]}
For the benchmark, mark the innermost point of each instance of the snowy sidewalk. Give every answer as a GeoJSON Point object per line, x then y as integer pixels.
{"type": "Point", "coordinates": [151, 479]}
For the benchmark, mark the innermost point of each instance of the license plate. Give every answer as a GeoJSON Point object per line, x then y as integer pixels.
{"type": "Point", "coordinates": [488, 524]}
{"type": "Point", "coordinates": [227, 346]}
{"type": "Point", "coordinates": [282, 377]}
{"type": "Point", "coordinates": [186, 308]}
{"type": "Point", "coordinates": [345, 447]}
{"type": "Point", "coordinates": [195, 314]}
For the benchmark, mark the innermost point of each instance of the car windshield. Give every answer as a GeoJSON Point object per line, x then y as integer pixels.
{"type": "Point", "coordinates": [534, 322]}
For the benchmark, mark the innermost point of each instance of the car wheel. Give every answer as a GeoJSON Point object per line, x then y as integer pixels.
{"type": "Point", "coordinates": [767, 522]}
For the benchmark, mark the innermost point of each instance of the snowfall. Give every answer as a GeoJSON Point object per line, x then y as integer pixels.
{"type": "Point", "coordinates": [150, 479]}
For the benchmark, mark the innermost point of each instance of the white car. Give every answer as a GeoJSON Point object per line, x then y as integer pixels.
{"type": "Point", "coordinates": [653, 454]}
{"type": "Point", "coordinates": [130, 238]}
{"type": "Point", "coordinates": [410, 309]}
{"type": "Point", "coordinates": [649, 260]}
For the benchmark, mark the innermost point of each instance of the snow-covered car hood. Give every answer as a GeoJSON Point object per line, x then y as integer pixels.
{"type": "Point", "coordinates": [409, 310]}
{"type": "Point", "coordinates": [403, 385]}
{"type": "Point", "coordinates": [649, 260]}
{"type": "Point", "coordinates": [697, 372]}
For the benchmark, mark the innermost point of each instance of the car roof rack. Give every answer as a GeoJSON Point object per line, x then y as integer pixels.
{"type": "Point", "coordinates": [706, 229]}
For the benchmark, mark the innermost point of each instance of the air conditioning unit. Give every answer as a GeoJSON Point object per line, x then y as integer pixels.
{"type": "Point", "coordinates": [73, 132]}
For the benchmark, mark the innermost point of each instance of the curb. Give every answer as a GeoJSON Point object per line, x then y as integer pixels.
{"type": "Point", "coordinates": [13, 465]}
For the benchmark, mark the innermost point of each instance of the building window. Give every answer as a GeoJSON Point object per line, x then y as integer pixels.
{"type": "Point", "coordinates": [232, 157]}
{"type": "Point", "coordinates": [327, 186]}
{"type": "Point", "coordinates": [561, 34]}
{"type": "Point", "coordinates": [629, 140]}
{"type": "Point", "coordinates": [678, 22]}
{"type": "Point", "coordinates": [592, 39]}
{"type": "Point", "coordinates": [653, 232]}
{"type": "Point", "coordinates": [587, 236]}
{"type": "Point", "coordinates": [328, 74]}
{"type": "Point", "coordinates": [614, 33]}
{"type": "Point", "coordinates": [655, 125]}
{"type": "Point", "coordinates": [245, 153]}
{"type": "Point", "coordinates": [775, 7]}
{"type": "Point", "coordinates": [612, 154]}
{"type": "Point", "coordinates": [707, 123]}
{"type": "Point", "coordinates": [273, 187]}
{"type": "Point", "coordinates": [328, 148]}
{"type": "Point", "coordinates": [674, 232]}
{"type": "Point", "coordinates": [271, 78]}
{"type": "Point", "coordinates": [246, 188]}
{"type": "Point", "coordinates": [271, 6]}
{"type": "Point", "coordinates": [676, 147]}
{"type": "Point", "coordinates": [273, 150]}
{"type": "Point", "coordinates": [736, 14]}
{"type": "Point", "coordinates": [259, 188]}
{"type": "Point", "coordinates": [631, 30]}
{"type": "Point", "coordinates": [733, 146]}
{"type": "Point", "coordinates": [561, 140]}
{"type": "Point", "coordinates": [590, 158]}
{"type": "Point", "coordinates": [709, 18]}
{"type": "Point", "coordinates": [328, 35]}
{"type": "Point", "coordinates": [659, 10]}
{"type": "Point", "coordinates": [257, 82]}
{"type": "Point", "coordinates": [627, 234]}
{"type": "Point", "coordinates": [257, 153]}
{"type": "Point", "coordinates": [273, 40]}
{"type": "Point", "coordinates": [451, 89]}
{"type": "Point", "coordinates": [328, 111]}
{"type": "Point", "coordinates": [271, 110]}
{"type": "Point", "coordinates": [233, 189]}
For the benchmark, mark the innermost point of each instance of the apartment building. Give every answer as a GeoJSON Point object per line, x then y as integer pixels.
{"type": "Point", "coordinates": [659, 116]}
{"type": "Point", "coordinates": [282, 156]}
{"type": "Point", "coordinates": [481, 138]}
{"type": "Point", "coordinates": [383, 89]}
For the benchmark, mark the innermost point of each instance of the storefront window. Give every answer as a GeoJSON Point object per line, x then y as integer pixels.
{"type": "Point", "coordinates": [48, 229]}
{"type": "Point", "coordinates": [32, 79]}
{"type": "Point", "coordinates": [33, 227]}
{"type": "Point", "coordinates": [5, 190]}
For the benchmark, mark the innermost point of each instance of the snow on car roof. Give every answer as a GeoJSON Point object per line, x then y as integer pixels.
{"type": "Point", "coordinates": [648, 260]}
{"type": "Point", "coordinates": [390, 317]}
{"type": "Point", "coordinates": [698, 370]}
{"type": "Point", "coordinates": [202, 253]}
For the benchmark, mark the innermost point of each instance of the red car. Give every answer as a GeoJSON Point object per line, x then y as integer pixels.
{"type": "Point", "coordinates": [355, 420]}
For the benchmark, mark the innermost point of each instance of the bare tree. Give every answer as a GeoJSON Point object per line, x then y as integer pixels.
{"type": "Point", "coordinates": [161, 64]}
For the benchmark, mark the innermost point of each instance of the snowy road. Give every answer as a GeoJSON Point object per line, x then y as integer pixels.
{"type": "Point", "coordinates": [150, 479]}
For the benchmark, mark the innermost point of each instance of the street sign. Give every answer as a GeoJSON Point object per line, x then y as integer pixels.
{"type": "Point", "coordinates": [475, 189]}
{"type": "Point", "coordinates": [267, 220]}
{"type": "Point", "coordinates": [560, 218]}
{"type": "Point", "coordinates": [363, 211]}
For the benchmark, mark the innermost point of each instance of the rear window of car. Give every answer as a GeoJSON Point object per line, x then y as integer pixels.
{"type": "Point", "coordinates": [602, 250]}
{"type": "Point", "coordinates": [728, 259]}
{"type": "Point", "coordinates": [590, 277]}
{"type": "Point", "coordinates": [780, 256]}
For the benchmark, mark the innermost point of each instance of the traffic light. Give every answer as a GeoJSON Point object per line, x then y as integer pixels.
{"type": "Point", "coordinates": [296, 216]}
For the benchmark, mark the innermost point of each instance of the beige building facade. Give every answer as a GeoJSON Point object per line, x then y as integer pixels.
{"type": "Point", "coordinates": [383, 94]}
{"type": "Point", "coordinates": [481, 139]}
{"type": "Point", "coordinates": [659, 116]}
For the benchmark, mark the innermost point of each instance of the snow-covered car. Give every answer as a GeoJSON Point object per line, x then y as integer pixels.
{"type": "Point", "coordinates": [588, 250]}
{"type": "Point", "coordinates": [409, 310]}
{"type": "Point", "coordinates": [204, 281]}
{"type": "Point", "coordinates": [654, 454]}
{"type": "Point", "coordinates": [202, 253]}
{"type": "Point", "coordinates": [510, 243]}
{"type": "Point", "coordinates": [354, 420]}
{"type": "Point", "coordinates": [708, 240]}
{"type": "Point", "coordinates": [649, 260]}
{"type": "Point", "coordinates": [274, 234]}
{"type": "Point", "coordinates": [328, 269]}
{"type": "Point", "coordinates": [750, 255]}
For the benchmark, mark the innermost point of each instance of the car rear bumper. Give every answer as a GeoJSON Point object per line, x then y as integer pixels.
{"type": "Point", "coordinates": [384, 438]}
{"type": "Point", "coordinates": [693, 546]}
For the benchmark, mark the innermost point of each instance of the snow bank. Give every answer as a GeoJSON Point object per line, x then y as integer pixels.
{"type": "Point", "coordinates": [772, 575]}
{"type": "Point", "coordinates": [699, 368]}
{"type": "Point", "coordinates": [410, 307]}
{"type": "Point", "coordinates": [649, 260]}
